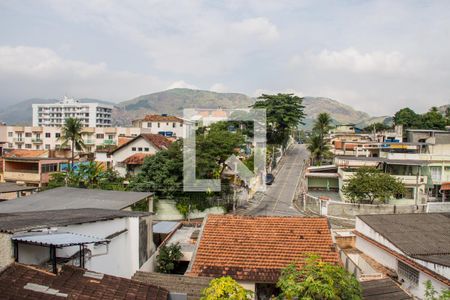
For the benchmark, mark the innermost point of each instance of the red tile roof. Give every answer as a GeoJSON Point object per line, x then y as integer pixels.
{"type": "Point", "coordinates": [160, 118]}
{"type": "Point", "coordinates": [445, 186]}
{"type": "Point", "coordinates": [257, 248]}
{"type": "Point", "coordinates": [26, 153]}
{"type": "Point", "coordinates": [136, 159]}
{"type": "Point", "coordinates": [74, 282]}
{"type": "Point", "coordinates": [123, 140]}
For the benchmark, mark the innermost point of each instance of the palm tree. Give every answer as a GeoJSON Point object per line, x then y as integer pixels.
{"type": "Point", "coordinates": [322, 124]}
{"type": "Point", "coordinates": [319, 148]}
{"type": "Point", "coordinates": [71, 133]}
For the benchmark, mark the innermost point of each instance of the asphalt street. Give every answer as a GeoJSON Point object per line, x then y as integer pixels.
{"type": "Point", "coordinates": [277, 200]}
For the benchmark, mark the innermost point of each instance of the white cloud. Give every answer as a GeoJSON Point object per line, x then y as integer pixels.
{"type": "Point", "coordinates": [181, 84]}
{"type": "Point", "coordinates": [260, 28]}
{"type": "Point", "coordinates": [351, 59]}
{"type": "Point", "coordinates": [41, 72]}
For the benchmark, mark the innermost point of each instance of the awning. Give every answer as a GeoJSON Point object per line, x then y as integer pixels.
{"type": "Point", "coordinates": [58, 239]}
{"type": "Point", "coordinates": [445, 186]}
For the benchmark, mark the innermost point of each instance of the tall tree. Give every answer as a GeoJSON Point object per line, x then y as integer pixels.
{"type": "Point", "coordinates": [318, 145]}
{"type": "Point", "coordinates": [370, 184]}
{"type": "Point", "coordinates": [285, 112]}
{"type": "Point", "coordinates": [317, 279]}
{"type": "Point", "coordinates": [407, 117]}
{"type": "Point", "coordinates": [433, 119]}
{"type": "Point", "coordinates": [71, 133]}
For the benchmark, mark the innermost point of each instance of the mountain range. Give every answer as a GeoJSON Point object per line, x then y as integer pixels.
{"type": "Point", "coordinates": [173, 101]}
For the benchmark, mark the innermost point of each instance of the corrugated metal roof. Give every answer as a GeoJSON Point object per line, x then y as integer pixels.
{"type": "Point", "coordinates": [423, 235]}
{"type": "Point", "coordinates": [385, 289]}
{"type": "Point", "coordinates": [164, 227]}
{"type": "Point", "coordinates": [59, 239]}
{"type": "Point", "coordinates": [73, 198]}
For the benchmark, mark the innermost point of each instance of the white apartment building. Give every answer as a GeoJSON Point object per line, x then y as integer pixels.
{"type": "Point", "coordinates": [55, 114]}
{"type": "Point", "coordinates": [49, 138]}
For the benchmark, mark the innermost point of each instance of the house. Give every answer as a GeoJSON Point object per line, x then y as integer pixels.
{"type": "Point", "coordinates": [254, 250]}
{"type": "Point", "coordinates": [415, 246]}
{"type": "Point", "coordinates": [114, 242]}
{"type": "Point", "coordinates": [19, 281]}
{"type": "Point", "coordinates": [129, 157]}
{"type": "Point", "coordinates": [164, 124]}
{"type": "Point", "coordinates": [31, 167]}
{"type": "Point", "coordinates": [73, 198]}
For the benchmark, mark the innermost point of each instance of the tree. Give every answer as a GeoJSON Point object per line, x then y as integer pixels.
{"type": "Point", "coordinates": [225, 288]}
{"type": "Point", "coordinates": [377, 127]}
{"type": "Point", "coordinates": [284, 113]}
{"type": "Point", "coordinates": [168, 257]}
{"type": "Point", "coordinates": [71, 133]}
{"type": "Point", "coordinates": [317, 279]}
{"type": "Point", "coordinates": [432, 294]}
{"type": "Point", "coordinates": [407, 117]}
{"type": "Point", "coordinates": [370, 184]}
{"type": "Point", "coordinates": [433, 119]}
{"type": "Point", "coordinates": [317, 145]}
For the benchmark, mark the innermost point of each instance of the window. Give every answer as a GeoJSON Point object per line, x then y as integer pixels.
{"type": "Point", "coordinates": [111, 137]}
{"type": "Point", "coordinates": [49, 168]}
{"type": "Point", "coordinates": [57, 135]}
{"type": "Point", "coordinates": [48, 134]}
{"type": "Point", "coordinates": [27, 146]}
{"type": "Point", "coordinates": [146, 149]}
{"type": "Point", "coordinates": [27, 134]}
{"type": "Point", "coordinates": [140, 149]}
{"type": "Point", "coordinates": [159, 124]}
{"type": "Point", "coordinates": [47, 147]}
{"type": "Point", "coordinates": [174, 125]}
{"type": "Point", "coordinates": [406, 272]}
{"type": "Point", "coordinates": [100, 136]}
{"type": "Point", "coordinates": [133, 149]}
{"type": "Point", "coordinates": [149, 124]}
{"type": "Point", "coordinates": [10, 134]}
{"type": "Point", "coordinates": [38, 147]}
{"type": "Point", "coordinates": [19, 146]}
{"type": "Point", "coordinates": [10, 145]}
{"type": "Point", "coordinates": [167, 124]}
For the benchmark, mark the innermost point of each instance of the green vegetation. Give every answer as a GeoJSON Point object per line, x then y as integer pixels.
{"type": "Point", "coordinates": [168, 257]}
{"type": "Point", "coordinates": [71, 133]}
{"type": "Point", "coordinates": [433, 119]}
{"type": "Point", "coordinates": [377, 127]}
{"type": "Point", "coordinates": [163, 173]}
{"type": "Point", "coordinates": [89, 175]}
{"type": "Point", "coordinates": [285, 113]}
{"type": "Point", "coordinates": [370, 184]}
{"type": "Point", "coordinates": [318, 280]}
{"type": "Point", "coordinates": [317, 144]}
{"type": "Point", "coordinates": [432, 294]}
{"type": "Point", "coordinates": [225, 288]}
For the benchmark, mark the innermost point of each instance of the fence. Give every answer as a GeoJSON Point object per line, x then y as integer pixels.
{"type": "Point", "coordinates": [349, 211]}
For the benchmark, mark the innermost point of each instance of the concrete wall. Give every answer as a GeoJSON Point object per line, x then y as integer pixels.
{"type": "Point", "coordinates": [167, 211]}
{"type": "Point", "coordinates": [6, 250]}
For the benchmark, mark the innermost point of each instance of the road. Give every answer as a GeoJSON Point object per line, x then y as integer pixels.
{"type": "Point", "coordinates": [277, 200]}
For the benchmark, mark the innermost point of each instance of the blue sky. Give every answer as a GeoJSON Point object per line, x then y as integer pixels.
{"type": "Point", "coordinates": [377, 56]}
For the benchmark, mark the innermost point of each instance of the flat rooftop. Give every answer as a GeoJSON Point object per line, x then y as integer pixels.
{"type": "Point", "coordinates": [73, 198]}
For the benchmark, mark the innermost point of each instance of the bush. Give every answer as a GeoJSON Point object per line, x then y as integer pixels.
{"type": "Point", "coordinates": [168, 257]}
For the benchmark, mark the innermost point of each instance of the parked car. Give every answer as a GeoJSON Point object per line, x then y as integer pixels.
{"type": "Point", "coordinates": [269, 178]}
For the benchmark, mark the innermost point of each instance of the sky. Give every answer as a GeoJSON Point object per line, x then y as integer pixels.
{"type": "Point", "coordinates": [377, 56]}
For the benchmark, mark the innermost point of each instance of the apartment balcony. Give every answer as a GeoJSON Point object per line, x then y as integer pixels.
{"type": "Point", "coordinates": [110, 129]}
{"type": "Point", "coordinates": [411, 179]}
{"type": "Point", "coordinates": [19, 128]}
{"type": "Point", "coordinates": [37, 141]}
{"type": "Point", "coordinates": [109, 142]}
{"type": "Point", "coordinates": [19, 140]}
{"type": "Point", "coordinates": [89, 142]}
{"type": "Point", "coordinates": [36, 129]}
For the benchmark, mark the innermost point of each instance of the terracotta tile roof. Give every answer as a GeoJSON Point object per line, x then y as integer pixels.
{"type": "Point", "coordinates": [445, 186]}
{"type": "Point", "coordinates": [23, 282]}
{"type": "Point", "coordinates": [257, 248]}
{"type": "Point", "coordinates": [136, 159]}
{"type": "Point", "coordinates": [123, 140]}
{"type": "Point", "coordinates": [26, 153]}
{"type": "Point", "coordinates": [159, 141]}
{"type": "Point", "coordinates": [161, 118]}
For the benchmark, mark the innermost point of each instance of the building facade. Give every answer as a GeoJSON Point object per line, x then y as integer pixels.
{"type": "Point", "coordinates": [170, 126]}
{"type": "Point", "coordinates": [55, 114]}
{"type": "Point", "coordinates": [49, 138]}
